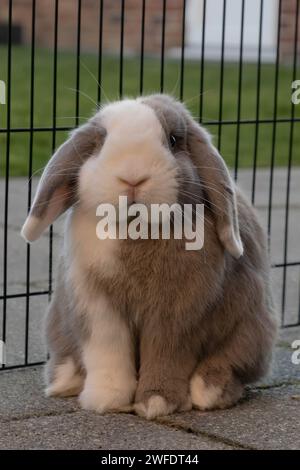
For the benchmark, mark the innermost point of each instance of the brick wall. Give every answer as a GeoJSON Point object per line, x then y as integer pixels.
{"type": "Point", "coordinates": [111, 24]}
{"type": "Point", "coordinates": [90, 23]}
{"type": "Point", "coordinates": [288, 23]}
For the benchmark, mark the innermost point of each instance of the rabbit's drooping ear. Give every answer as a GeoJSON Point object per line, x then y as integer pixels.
{"type": "Point", "coordinates": [56, 190]}
{"type": "Point", "coordinates": [218, 186]}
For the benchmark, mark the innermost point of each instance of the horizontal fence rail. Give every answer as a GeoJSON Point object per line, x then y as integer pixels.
{"type": "Point", "coordinates": [214, 85]}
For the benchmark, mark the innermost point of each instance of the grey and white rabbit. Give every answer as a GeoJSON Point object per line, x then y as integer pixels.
{"type": "Point", "coordinates": [141, 322]}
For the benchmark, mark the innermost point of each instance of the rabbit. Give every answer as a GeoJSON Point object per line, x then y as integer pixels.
{"type": "Point", "coordinates": [146, 324]}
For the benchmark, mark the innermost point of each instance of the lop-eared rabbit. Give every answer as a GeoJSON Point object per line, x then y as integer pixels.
{"type": "Point", "coordinates": [147, 323]}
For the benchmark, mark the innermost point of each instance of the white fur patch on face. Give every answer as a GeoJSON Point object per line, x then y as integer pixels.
{"type": "Point", "coordinates": [66, 382]}
{"type": "Point", "coordinates": [133, 150]}
{"type": "Point", "coordinates": [134, 116]}
{"type": "Point", "coordinates": [108, 358]}
{"type": "Point", "coordinates": [203, 397]}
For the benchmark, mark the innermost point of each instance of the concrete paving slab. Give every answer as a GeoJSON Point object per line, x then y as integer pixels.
{"type": "Point", "coordinates": [16, 330]}
{"type": "Point", "coordinates": [268, 419]}
{"type": "Point", "coordinates": [288, 335]}
{"type": "Point", "coordinates": [17, 259]}
{"type": "Point", "coordinates": [22, 396]}
{"type": "Point", "coordinates": [87, 430]}
{"type": "Point", "coordinates": [262, 186]}
{"type": "Point", "coordinates": [16, 247]}
{"type": "Point", "coordinates": [28, 383]}
{"type": "Point", "coordinates": [283, 370]}
{"type": "Point", "coordinates": [277, 236]}
{"type": "Point", "coordinates": [17, 200]}
{"type": "Point", "coordinates": [292, 294]}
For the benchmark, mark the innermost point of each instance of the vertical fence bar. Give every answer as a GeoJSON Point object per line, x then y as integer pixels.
{"type": "Point", "coordinates": [100, 46]}
{"type": "Point", "coordinates": [50, 262]}
{"type": "Point", "coordinates": [142, 47]}
{"type": "Point", "coordinates": [32, 74]}
{"type": "Point", "coordinates": [182, 50]}
{"type": "Point", "coordinates": [122, 49]}
{"type": "Point", "coordinates": [298, 318]}
{"type": "Point", "coordinates": [201, 101]}
{"type": "Point", "coordinates": [7, 163]}
{"type": "Point", "coordinates": [162, 55]}
{"type": "Point", "coordinates": [239, 102]}
{"type": "Point", "coordinates": [78, 54]}
{"type": "Point", "coordinates": [222, 75]}
{"type": "Point", "coordinates": [54, 103]}
{"type": "Point", "coordinates": [290, 159]}
{"type": "Point", "coordinates": [54, 91]}
{"type": "Point", "coordinates": [274, 130]}
{"type": "Point", "coordinates": [258, 84]}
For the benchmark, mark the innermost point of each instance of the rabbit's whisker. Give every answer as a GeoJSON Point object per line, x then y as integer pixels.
{"type": "Point", "coordinates": [196, 96]}
{"type": "Point", "coordinates": [202, 218]}
{"type": "Point", "coordinates": [93, 76]}
{"type": "Point", "coordinates": [85, 95]}
{"type": "Point", "coordinates": [72, 117]}
{"type": "Point", "coordinates": [204, 186]}
{"type": "Point", "coordinates": [201, 199]}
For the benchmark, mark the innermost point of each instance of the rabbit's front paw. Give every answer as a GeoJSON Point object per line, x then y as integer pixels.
{"type": "Point", "coordinates": [209, 396]}
{"type": "Point", "coordinates": [105, 395]}
{"type": "Point", "coordinates": [157, 405]}
{"type": "Point", "coordinates": [157, 396]}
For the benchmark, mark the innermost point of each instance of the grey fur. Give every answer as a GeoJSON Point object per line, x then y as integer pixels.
{"type": "Point", "coordinates": [62, 170]}
{"type": "Point", "coordinates": [188, 311]}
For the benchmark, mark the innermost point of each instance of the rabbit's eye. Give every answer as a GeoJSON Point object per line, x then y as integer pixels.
{"type": "Point", "coordinates": [172, 140]}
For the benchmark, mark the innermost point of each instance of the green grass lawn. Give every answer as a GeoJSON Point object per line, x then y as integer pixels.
{"type": "Point", "coordinates": [65, 114]}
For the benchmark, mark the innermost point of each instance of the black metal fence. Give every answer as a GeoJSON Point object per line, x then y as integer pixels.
{"type": "Point", "coordinates": [22, 308]}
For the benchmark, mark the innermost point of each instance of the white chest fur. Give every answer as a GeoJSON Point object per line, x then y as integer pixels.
{"type": "Point", "coordinates": [107, 354]}
{"type": "Point", "coordinates": [85, 249]}
{"type": "Point", "coordinates": [83, 252]}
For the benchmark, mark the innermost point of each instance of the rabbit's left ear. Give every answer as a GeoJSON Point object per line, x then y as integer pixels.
{"type": "Point", "coordinates": [218, 186]}
{"type": "Point", "coordinates": [56, 190]}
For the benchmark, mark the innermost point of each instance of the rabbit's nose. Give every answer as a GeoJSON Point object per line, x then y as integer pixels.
{"type": "Point", "coordinates": [134, 182]}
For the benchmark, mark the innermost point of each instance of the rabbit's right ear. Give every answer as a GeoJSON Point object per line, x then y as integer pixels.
{"type": "Point", "coordinates": [56, 191]}
{"type": "Point", "coordinates": [219, 187]}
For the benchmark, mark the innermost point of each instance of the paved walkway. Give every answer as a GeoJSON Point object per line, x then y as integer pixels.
{"type": "Point", "coordinates": [268, 418]}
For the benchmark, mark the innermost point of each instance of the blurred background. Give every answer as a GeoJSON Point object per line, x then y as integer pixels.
{"type": "Point", "coordinates": [154, 28]}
